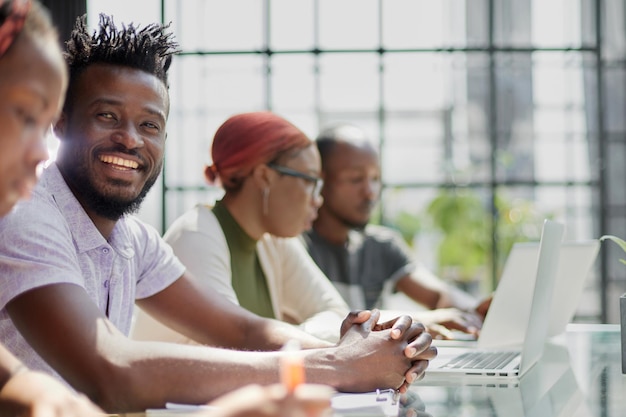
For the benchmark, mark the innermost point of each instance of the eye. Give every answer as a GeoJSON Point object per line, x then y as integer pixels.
{"type": "Point", "coordinates": [356, 179]}
{"type": "Point", "coordinates": [106, 116]}
{"type": "Point", "coordinates": [27, 118]}
{"type": "Point", "coordinates": [152, 126]}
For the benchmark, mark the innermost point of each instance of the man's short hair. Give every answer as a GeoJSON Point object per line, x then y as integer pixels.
{"type": "Point", "coordinates": [149, 49]}
{"type": "Point", "coordinates": [329, 137]}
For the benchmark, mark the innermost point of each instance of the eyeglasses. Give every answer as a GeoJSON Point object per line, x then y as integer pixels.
{"type": "Point", "coordinates": [317, 182]}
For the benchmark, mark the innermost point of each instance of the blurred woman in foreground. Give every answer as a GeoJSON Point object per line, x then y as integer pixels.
{"type": "Point", "coordinates": [33, 80]}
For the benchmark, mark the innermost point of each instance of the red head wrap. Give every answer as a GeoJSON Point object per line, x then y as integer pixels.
{"type": "Point", "coordinates": [12, 16]}
{"type": "Point", "coordinates": [247, 140]}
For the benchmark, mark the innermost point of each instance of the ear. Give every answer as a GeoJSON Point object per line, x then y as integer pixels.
{"type": "Point", "coordinates": [262, 175]}
{"type": "Point", "coordinates": [208, 174]}
{"type": "Point", "coordinates": [59, 126]}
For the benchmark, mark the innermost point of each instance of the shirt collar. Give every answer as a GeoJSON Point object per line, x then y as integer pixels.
{"type": "Point", "coordinates": [84, 232]}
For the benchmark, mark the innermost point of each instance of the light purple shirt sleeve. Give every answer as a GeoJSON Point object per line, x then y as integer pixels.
{"type": "Point", "coordinates": [49, 240]}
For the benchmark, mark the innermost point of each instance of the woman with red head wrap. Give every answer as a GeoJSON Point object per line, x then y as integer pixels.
{"type": "Point", "coordinates": [247, 246]}
{"type": "Point", "coordinates": [270, 171]}
{"type": "Point", "coordinates": [247, 140]}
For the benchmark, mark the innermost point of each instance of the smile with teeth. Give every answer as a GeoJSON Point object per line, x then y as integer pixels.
{"type": "Point", "coordinates": [119, 163]}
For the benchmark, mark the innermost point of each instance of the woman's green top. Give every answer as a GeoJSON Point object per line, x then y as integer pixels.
{"type": "Point", "coordinates": [248, 279]}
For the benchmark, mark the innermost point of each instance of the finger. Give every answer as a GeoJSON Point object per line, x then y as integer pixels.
{"type": "Point", "coordinates": [465, 322]}
{"type": "Point", "coordinates": [404, 388]}
{"type": "Point", "coordinates": [483, 307]}
{"type": "Point", "coordinates": [461, 326]}
{"type": "Point", "coordinates": [385, 325]}
{"type": "Point", "coordinates": [358, 316]}
{"type": "Point", "coordinates": [473, 319]}
{"type": "Point", "coordinates": [417, 336]}
{"type": "Point", "coordinates": [354, 317]}
{"type": "Point", "coordinates": [398, 326]}
{"type": "Point", "coordinates": [421, 348]}
{"type": "Point", "coordinates": [439, 332]}
{"type": "Point", "coordinates": [393, 322]}
{"type": "Point", "coordinates": [372, 321]}
{"type": "Point", "coordinates": [416, 371]}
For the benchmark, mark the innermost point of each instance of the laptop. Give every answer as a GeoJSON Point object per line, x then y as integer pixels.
{"type": "Point", "coordinates": [511, 363]}
{"type": "Point", "coordinates": [512, 300]}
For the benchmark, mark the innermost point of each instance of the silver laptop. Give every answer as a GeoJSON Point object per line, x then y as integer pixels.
{"type": "Point", "coordinates": [510, 306]}
{"type": "Point", "coordinates": [512, 363]}
{"type": "Point", "coordinates": [504, 324]}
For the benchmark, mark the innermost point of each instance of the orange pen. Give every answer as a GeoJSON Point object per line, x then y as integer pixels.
{"type": "Point", "coordinates": [292, 366]}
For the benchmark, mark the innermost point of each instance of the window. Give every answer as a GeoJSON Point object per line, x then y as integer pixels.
{"type": "Point", "coordinates": [514, 104]}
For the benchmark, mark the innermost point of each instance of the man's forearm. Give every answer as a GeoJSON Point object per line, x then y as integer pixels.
{"type": "Point", "coordinates": [274, 334]}
{"type": "Point", "coordinates": [148, 374]}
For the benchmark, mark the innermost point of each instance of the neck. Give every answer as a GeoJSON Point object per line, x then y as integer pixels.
{"type": "Point", "coordinates": [104, 225]}
{"type": "Point", "coordinates": [246, 214]}
{"type": "Point", "coordinates": [331, 228]}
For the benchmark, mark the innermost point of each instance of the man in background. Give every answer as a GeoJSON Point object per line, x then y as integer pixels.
{"type": "Point", "coordinates": [363, 259]}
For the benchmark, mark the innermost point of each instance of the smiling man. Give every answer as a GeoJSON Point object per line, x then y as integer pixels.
{"type": "Point", "coordinates": [73, 260]}
{"type": "Point", "coordinates": [113, 139]}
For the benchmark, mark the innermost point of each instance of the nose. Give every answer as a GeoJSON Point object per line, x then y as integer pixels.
{"type": "Point", "coordinates": [372, 188]}
{"type": "Point", "coordinates": [35, 151]}
{"type": "Point", "coordinates": [317, 201]}
{"type": "Point", "coordinates": [128, 136]}
{"type": "Point", "coordinates": [37, 148]}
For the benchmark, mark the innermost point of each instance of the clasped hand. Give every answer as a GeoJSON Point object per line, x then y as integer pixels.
{"type": "Point", "coordinates": [410, 336]}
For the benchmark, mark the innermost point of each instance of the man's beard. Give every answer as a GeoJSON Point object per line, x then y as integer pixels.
{"type": "Point", "coordinates": [354, 225]}
{"type": "Point", "coordinates": [351, 224]}
{"type": "Point", "coordinates": [110, 207]}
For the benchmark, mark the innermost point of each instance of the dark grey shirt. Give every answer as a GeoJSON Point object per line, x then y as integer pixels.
{"type": "Point", "coordinates": [371, 259]}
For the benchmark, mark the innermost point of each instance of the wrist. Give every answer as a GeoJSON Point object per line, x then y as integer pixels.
{"type": "Point", "coordinates": [326, 366]}
{"type": "Point", "coordinates": [459, 299]}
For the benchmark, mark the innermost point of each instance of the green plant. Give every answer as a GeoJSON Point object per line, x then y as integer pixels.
{"type": "Point", "coordinates": [461, 218]}
{"type": "Point", "coordinates": [617, 240]}
{"type": "Point", "coordinates": [407, 224]}
{"type": "Point", "coordinates": [464, 221]}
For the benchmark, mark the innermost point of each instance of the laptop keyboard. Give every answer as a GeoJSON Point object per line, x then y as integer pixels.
{"type": "Point", "coordinates": [481, 360]}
